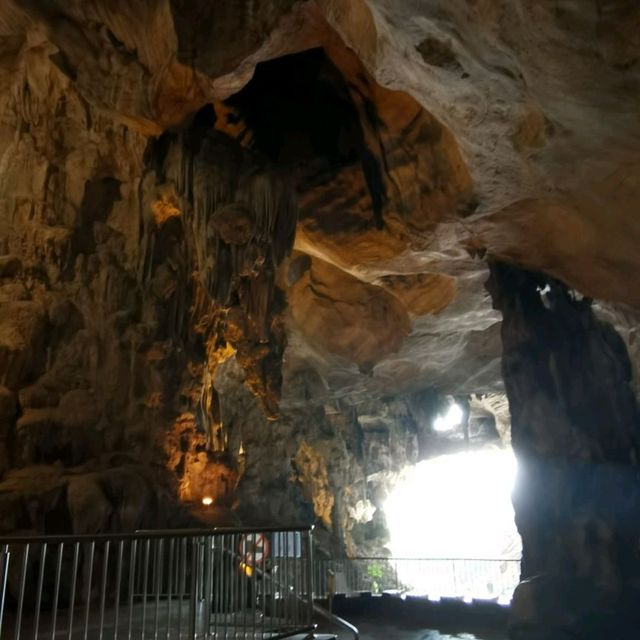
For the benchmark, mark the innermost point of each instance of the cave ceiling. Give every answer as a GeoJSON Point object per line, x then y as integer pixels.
{"type": "Point", "coordinates": [420, 137]}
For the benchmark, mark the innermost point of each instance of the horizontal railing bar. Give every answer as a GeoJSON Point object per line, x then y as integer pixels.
{"type": "Point", "coordinates": [494, 577]}
{"type": "Point", "coordinates": [292, 632]}
{"type": "Point", "coordinates": [395, 559]}
{"type": "Point", "coordinates": [337, 620]}
{"type": "Point", "coordinates": [149, 534]}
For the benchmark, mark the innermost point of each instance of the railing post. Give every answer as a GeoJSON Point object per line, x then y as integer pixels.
{"type": "Point", "coordinates": [56, 594]}
{"type": "Point", "coordinates": [116, 612]}
{"type": "Point", "coordinates": [103, 587]}
{"type": "Point", "coordinates": [23, 582]}
{"type": "Point", "coordinates": [455, 581]}
{"type": "Point", "coordinates": [310, 575]}
{"type": "Point", "coordinates": [72, 594]}
{"type": "Point", "coordinates": [181, 573]}
{"type": "Point", "coordinates": [133, 549]}
{"type": "Point", "coordinates": [43, 559]}
{"type": "Point", "coordinates": [193, 597]}
{"type": "Point", "coordinates": [158, 559]}
{"type": "Point", "coordinates": [4, 572]}
{"type": "Point", "coordinates": [208, 587]}
{"type": "Point", "coordinates": [89, 577]}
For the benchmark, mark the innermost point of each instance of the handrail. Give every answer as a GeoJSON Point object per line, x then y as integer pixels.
{"type": "Point", "coordinates": [295, 632]}
{"type": "Point", "coordinates": [146, 534]}
{"type": "Point", "coordinates": [337, 620]}
{"type": "Point", "coordinates": [276, 581]}
{"type": "Point", "coordinates": [468, 577]}
{"type": "Point", "coordinates": [406, 559]}
{"type": "Point", "coordinates": [328, 615]}
{"type": "Point", "coordinates": [179, 580]}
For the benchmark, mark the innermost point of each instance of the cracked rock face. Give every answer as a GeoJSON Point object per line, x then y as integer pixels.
{"type": "Point", "coordinates": [157, 160]}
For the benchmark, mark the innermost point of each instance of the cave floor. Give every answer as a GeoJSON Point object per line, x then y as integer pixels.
{"type": "Point", "coordinates": [391, 618]}
{"type": "Point", "coordinates": [399, 630]}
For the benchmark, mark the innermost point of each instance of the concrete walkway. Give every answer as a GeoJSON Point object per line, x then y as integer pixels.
{"type": "Point", "coordinates": [390, 617]}
{"type": "Point", "coordinates": [370, 631]}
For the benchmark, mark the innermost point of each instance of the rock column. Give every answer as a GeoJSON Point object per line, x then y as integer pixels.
{"type": "Point", "coordinates": [576, 434]}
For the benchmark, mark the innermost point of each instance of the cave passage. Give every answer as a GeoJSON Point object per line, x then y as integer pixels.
{"type": "Point", "coordinates": [303, 113]}
{"type": "Point", "coordinates": [457, 507]}
{"type": "Point", "coordinates": [298, 108]}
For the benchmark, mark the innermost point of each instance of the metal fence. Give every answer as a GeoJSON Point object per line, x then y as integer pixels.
{"type": "Point", "coordinates": [241, 583]}
{"type": "Point", "coordinates": [433, 577]}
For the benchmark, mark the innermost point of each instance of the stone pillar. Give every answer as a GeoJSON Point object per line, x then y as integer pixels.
{"type": "Point", "coordinates": [576, 434]}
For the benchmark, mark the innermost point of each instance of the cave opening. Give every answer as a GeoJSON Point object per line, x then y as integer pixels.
{"type": "Point", "coordinates": [450, 518]}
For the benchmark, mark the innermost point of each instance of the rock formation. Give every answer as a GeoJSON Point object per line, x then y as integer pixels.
{"type": "Point", "coordinates": [576, 431]}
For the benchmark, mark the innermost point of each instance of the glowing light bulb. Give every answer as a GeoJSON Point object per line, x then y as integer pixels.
{"type": "Point", "coordinates": [207, 500]}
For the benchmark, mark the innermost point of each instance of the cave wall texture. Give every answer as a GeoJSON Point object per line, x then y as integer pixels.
{"type": "Point", "coordinates": [243, 253]}
{"type": "Point", "coordinates": [576, 431]}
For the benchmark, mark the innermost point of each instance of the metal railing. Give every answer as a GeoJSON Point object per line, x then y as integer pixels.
{"type": "Point", "coordinates": [219, 583]}
{"type": "Point", "coordinates": [433, 577]}
{"type": "Point", "coordinates": [337, 621]}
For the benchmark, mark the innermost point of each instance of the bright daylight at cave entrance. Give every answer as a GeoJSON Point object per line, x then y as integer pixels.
{"type": "Point", "coordinates": [455, 514]}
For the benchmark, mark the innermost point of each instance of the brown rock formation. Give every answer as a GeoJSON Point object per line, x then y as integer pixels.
{"type": "Point", "coordinates": [576, 433]}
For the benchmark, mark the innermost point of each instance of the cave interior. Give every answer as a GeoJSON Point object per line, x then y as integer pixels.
{"type": "Point", "coordinates": [262, 264]}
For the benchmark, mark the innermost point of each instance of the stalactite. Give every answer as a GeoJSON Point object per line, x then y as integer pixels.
{"type": "Point", "coordinates": [210, 412]}
{"type": "Point", "coordinates": [239, 218]}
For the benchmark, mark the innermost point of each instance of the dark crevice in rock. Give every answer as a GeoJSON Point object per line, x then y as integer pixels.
{"type": "Point", "coordinates": [439, 54]}
{"type": "Point", "coordinates": [300, 111]}
{"type": "Point", "coordinates": [97, 201]}
{"type": "Point", "coordinates": [297, 108]}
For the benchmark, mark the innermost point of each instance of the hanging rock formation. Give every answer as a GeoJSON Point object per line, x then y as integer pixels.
{"type": "Point", "coordinates": [237, 220]}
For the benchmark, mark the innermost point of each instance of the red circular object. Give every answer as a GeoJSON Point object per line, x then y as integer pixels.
{"type": "Point", "coordinates": [253, 547]}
